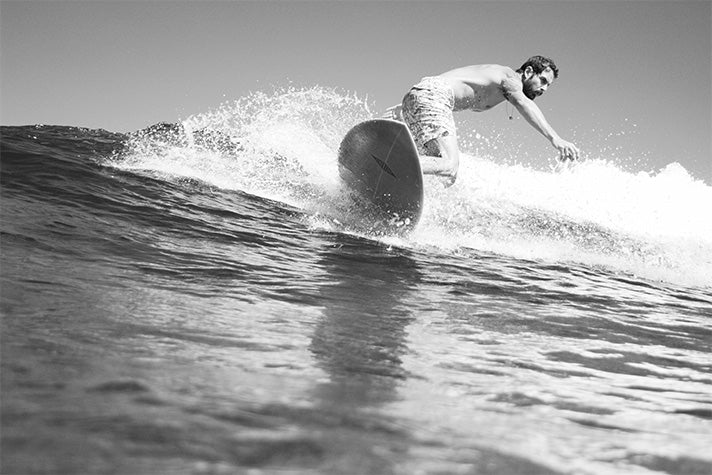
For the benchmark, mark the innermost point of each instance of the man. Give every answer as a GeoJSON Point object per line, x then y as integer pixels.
{"type": "Point", "coordinates": [427, 108]}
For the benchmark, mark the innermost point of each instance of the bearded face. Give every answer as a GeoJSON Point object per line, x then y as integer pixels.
{"type": "Point", "coordinates": [534, 85]}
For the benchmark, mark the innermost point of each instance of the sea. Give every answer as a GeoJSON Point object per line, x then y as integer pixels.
{"type": "Point", "coordinates": [198, 297]}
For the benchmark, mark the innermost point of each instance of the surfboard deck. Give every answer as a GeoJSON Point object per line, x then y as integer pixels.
{"type": "Point", "coordinates": [378, 161]}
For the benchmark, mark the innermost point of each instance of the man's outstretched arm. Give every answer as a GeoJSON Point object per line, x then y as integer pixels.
{"type": "Point", "coordinates": [514, 93]}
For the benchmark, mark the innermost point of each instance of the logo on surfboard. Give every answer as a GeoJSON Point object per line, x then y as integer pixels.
{"type": "Point", "coordinates": [384, 166]}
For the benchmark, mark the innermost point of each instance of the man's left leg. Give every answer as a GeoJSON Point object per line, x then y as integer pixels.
{"type": "Point", "coordinates": [448, 161]}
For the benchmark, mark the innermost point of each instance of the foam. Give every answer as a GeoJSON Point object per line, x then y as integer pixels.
{"type": "Point", "coordinates": [654, 225]}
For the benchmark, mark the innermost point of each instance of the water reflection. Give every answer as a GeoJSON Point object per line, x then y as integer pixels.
{"type": "Point", "coordinates": [361, 337]}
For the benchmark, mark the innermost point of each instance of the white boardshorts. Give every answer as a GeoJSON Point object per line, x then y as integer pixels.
{"type": "Point", "coordinates": [427, 110]}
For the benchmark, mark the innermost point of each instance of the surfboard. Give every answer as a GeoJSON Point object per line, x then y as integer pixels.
{"type": "Point", "coordinates": [378, 162]}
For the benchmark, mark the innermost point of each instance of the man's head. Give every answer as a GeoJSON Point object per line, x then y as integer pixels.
{"type": "Point", "coordinates": [538, 72]}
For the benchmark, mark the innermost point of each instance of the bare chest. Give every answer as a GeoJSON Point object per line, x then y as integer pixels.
{"type": "Point", "coordinates": [477, 98]}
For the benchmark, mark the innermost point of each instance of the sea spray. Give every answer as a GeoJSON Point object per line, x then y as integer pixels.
{"type": "Point", "coordinates": [278, 146]}
{"type": "Point", "coordinates": [283, 146]}
{"type": "Point", "coordinates": [591, 213]}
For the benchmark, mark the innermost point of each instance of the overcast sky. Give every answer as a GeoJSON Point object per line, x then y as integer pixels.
{"type": "Point", "coordinates": [635, 75]}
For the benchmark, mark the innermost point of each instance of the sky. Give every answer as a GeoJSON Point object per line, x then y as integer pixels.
{"type": "Point", "coordinates": [635, 79]}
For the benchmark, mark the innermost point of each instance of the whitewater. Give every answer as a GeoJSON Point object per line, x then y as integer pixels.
{"type": "Point", "coordinates": [199, 297]}
{"type": "Point", "coordinates": [594, 213]}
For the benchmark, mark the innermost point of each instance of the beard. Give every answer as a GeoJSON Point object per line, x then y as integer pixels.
{"type": "Point", "coordinates": [528, 91]}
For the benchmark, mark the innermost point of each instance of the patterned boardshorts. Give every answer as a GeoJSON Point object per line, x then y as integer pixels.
{"type": "Point", "coordinates": [427, 110]}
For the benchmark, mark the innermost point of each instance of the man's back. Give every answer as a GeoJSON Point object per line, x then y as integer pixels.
{"type": "Point", "coordinates": [478, 87]}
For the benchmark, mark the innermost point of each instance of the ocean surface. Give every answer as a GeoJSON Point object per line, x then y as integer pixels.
{"type": "Point", "coordinates": [198, 298]}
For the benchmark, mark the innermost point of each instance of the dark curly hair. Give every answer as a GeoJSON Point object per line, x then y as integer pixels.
{"type": "Point", "coordinates": [539, 64]}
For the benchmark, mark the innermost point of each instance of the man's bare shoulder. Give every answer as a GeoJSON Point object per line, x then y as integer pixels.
{"type": "Point", "coordinates": [507, 72]}
{"type": "Point", "coordinates": [481, 73]}
{"type": "Point", "coordinates": [511, 83]}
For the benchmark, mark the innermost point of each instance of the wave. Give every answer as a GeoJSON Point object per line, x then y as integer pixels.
{"type": "Point", "coordinates": [651, 225]}
{"type": "Point", "coordinates": [282, 146]}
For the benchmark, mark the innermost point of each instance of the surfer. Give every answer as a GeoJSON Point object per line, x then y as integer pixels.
{"type": "Point", "coordinates": [428, 108]}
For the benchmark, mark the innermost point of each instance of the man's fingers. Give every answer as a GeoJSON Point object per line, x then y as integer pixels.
{"type": "Point", "coordinates": [569, 152]}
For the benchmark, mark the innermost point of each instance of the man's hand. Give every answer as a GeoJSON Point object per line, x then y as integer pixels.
{"type": "Point", "coordinates": [567, 150]}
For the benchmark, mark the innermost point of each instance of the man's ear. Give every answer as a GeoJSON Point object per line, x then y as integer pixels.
{"type": "Point", "coordinates": [528, 72]}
